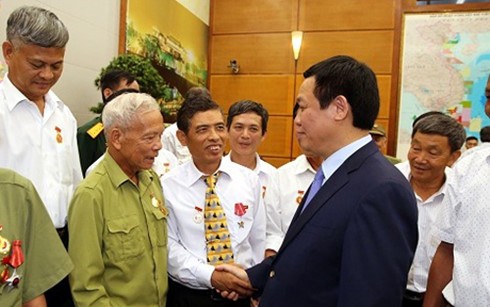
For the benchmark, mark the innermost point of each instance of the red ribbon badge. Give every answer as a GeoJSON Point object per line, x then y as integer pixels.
{"type": "Point", "coordinates": [17, 256]}
{"type": "Point", "coordinates": [240, 209]}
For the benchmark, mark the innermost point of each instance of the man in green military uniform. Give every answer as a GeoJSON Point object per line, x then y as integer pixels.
{"type": "Point", "coordinates": [117, 217]}
{"type": "Point", "coordinates": [33, 258]}
{"type": "Point", "coordinates": [378, 134]}
{"type": "Point", "coordinates": [90, 136]}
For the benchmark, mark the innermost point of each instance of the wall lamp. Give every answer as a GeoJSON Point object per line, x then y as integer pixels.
{"type": "Point", "coordinates": [235, 68]}
{"type": "Point", "coordinates": [296, 40]}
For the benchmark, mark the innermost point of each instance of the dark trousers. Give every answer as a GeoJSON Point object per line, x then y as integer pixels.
{"type": "Point", "coordinates": [59, 295]}
{"type": "Point", "coordinates": [182, 296]}
{"type": "Point", "coordinates": [413, 299]}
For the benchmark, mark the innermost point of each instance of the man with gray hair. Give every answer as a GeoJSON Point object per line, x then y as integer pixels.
{"type": "Point", "coordinates": [436, 145]}
{"type": "Point", "coordinates": [37, 130]}
{"type": "Point", "coordinates": [117, 217]}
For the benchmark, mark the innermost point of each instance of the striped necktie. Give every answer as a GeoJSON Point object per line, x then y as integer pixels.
{"type": "Point", "coordinates": [218, 242]}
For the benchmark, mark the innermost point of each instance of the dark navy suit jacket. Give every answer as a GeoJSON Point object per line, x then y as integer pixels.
{"type": "Point", "coordinates": [353, 244]}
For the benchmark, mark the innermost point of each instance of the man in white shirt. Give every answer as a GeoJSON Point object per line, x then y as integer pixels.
{"type": "Point", "coordinates": [169, 137]}
{"type": "Point", "coordinates": [247, 129]}
{"type": "Point", "coordinates": [193, 277]}
{"type": "Point", "coordinates": [435, 146]}
{"type": "Point", "coordinates": [292, 181]}
{"type": "Point", "coordinates": [464, 229]}
{"type": "Point", "coordinates": [37, 130]}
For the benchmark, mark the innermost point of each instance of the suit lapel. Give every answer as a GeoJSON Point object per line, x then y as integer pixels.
{"type": "Point", "coordinates": [335, 183]}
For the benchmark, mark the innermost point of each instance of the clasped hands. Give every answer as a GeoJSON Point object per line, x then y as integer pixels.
{"type": "Point", "coordinates": [231, 281]}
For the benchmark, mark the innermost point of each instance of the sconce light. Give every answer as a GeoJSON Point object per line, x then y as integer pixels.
{"type": "Point", "coordinates": [235, 68]}
{"type": "Point", "coordinates": [296, 39]}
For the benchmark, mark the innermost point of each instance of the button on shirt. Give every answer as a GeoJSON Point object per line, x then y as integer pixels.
{"type": "Point", "coordinates": [292, 181]}
{"type": "Point", "coordinates": [42, 148]}
{"type": "Point", "coordinates": [466, 225]}
{"type": "Point", "coordinates": [185, 195]}
{"type": "Point", "coordinates": [429, 211]}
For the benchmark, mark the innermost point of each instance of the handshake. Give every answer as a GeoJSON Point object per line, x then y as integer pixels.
{"type": "Point", "coordinates": [231, 281]}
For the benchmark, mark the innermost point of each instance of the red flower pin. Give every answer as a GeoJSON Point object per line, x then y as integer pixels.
{"type": "Point", "coordinates": [240, 209]}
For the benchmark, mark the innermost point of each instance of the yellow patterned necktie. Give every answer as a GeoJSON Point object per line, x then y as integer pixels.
{"type": "Point", "coordinates": [218, 242]}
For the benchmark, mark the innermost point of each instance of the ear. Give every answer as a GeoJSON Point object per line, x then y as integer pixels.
{"type": "Point", "coordinates": [7, 49]}
{"type": "Point", "coordinates": [107, 92]}
{"type": "Point", "coordinates": [181, 137]}
{"type": "Point", "coordinates": [116, 137]}
{"type": "Point", "coordinates": [454, 157]}
{"type": "Point", "coordinates": [263, 137]}
{"type": "Point", "coordinates": [342, 107]}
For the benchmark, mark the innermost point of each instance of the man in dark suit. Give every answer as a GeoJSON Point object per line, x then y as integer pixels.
{"type": "Point", "coordinates": [351, 244]}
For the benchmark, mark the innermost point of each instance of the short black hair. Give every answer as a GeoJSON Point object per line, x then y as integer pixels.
{"type": "Point", "coordinates": [471, 138]}
{"type": "Point", "coordinates": [485, 134]}
{"type": "Point", "coordinates": [190, 107]}
{"type": "Point", "coordinates": [246, 106]}
{"type": "Point", "coordinates": [344, 75]}
{"type": "Point", "coordinates": [111, 80]}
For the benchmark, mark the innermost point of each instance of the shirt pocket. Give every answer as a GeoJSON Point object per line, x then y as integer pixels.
{"type": "Point", "coordinates": [125, 238]}
{"type": "Point", "coordinates": [160, 226]}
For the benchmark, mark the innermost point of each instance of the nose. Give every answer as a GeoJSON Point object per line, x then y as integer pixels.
{"type": "Point", "coordinates": [245, 133]}
{"type": "Point", "coordinates": [157, 144]}
{"type": "Point", "coordinates": [213, 134]}
{"type": "Point", "coordinates": [47, 73]}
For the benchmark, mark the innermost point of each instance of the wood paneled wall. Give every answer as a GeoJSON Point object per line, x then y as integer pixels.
{"type": "Point", "coordinates": [257, 34]}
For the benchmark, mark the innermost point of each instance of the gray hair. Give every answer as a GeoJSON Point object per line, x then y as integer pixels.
{"type": "Point", "coordinates": [36, 26]}
{"type": "Point", "coordinates": [124, 109]}
{"type": "Point", "coordinates": [444, 125]}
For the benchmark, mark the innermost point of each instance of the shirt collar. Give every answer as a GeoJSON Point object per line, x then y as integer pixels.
{"type": "Point", "coordinates": [194, 175]}
{"type": "Point", "coordinates": [118, 177]}
{"type": "Point", "coordinates": [14, 96]}
{"type": "Point", "coordinates": [332, 163]}
{"type": "Point", "coordinates": [303, 166]}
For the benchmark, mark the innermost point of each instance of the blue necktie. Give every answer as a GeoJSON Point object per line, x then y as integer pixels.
{"type": "Point", "coordinates": [315, 186]}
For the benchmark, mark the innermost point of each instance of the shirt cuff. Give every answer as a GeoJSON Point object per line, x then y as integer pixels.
{"type": "Point", "coordinates": [203, 275]}
{"type": "Point", "coordinates": [273, 243]}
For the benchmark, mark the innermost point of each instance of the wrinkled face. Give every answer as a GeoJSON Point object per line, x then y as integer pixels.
{"type": "Point", "coordinates": [33, 69]}
{"type": "Point", "coordinates": [139, 145]}
{"type": "Point", "coordinates": [313, 125]}
{"type": "Point", "coordinates": [245, 133]}
{"type": "Point", "coordinates": [206, 139]}
{"type": "Point", "coordinates": [487, 95]}
{"type": "Point", "coordinates": [428, 156]}
{"type": "Point", "coordinates": [471, 143]}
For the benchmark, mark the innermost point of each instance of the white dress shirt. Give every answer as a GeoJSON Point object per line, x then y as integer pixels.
{"type": "Point", "coordinates": [292, 180]}
{"type": "Point", "coordinates": [429, 211]}
{"type": "Point", "coordinates": [41, 147]}
{"type": "Point", "coordinates": [466, 224]}
{"type": "Point", "coordinates": [270, 193]}
{"type": "Point", "coordinates": [172, 144]}
{"type": "Point", "coordinates": [163, 163]}
{"type": "Point", "coordinates": [184, 190]}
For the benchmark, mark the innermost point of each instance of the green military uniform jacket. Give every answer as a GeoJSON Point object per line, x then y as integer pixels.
{"type": "Point", "coordinates": [393, 160]}
{"type": "Point", "coordinates": [118, 239]}
{"type": "Point", "coordinates": [91, 142]}
{"type": "Point", "coordinates": [24, 218]}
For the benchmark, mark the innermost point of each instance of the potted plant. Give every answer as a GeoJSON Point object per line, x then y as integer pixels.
{"type": "Point", "coordinates": [149, 79]}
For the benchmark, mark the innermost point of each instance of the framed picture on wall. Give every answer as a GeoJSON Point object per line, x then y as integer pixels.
{"type": "Point", "coordinates": [173, 35]}
{"type": "Point", "coordinates": [444, 66]}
